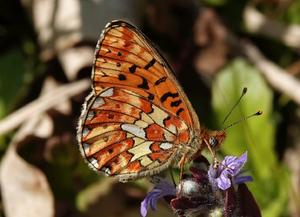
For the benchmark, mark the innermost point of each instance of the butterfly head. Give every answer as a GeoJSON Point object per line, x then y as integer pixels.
{"type": "Point", "coordinates": [213, 138]}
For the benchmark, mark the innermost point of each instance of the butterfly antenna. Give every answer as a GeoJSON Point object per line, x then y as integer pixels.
{"type": "Point", "coordinates": [243, 119]}
{"type": "Point", "coordinates": [234, 106]}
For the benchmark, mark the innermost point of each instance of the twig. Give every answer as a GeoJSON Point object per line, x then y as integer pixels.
{"type": "Point", "coordinates": [257, 23]}
{"type": "Point", "coordinates": [42, 104]}
{"type": "Point", "coordinates": [294, 68]}
{"type": "Point", "coordinates": [276, 76]}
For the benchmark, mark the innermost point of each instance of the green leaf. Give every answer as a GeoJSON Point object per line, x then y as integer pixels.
{"type": "Point", "coordinates": [90, 194]}
{"type": "Point", "coordinates": [257, 133]}
{"type": "Point", "coordinates": [215, 2]}
{"type": "Point", "coordinates": [291, 15]}
{"type": "Point", "coordinates": [12, 65]}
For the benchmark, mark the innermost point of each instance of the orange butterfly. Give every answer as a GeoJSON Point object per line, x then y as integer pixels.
{"type": "Point", "coordinates": [137, 120]}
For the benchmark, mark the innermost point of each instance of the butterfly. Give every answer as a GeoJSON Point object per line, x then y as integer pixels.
{"type": "Point", "coordinates": [137, 121]}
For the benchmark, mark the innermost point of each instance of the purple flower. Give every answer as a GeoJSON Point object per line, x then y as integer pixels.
{"type": "Point", "coordinates": [227, 172]}
{"type": "Point", "coordinates": [197, 192]}
{"type": "Point", "coordinates": [162, 189]}
{"type": "Point", "coordinates": [194, 194]}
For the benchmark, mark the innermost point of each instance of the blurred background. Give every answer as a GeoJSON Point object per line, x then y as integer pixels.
{"type": "Point", "coordinates": [216, 47]}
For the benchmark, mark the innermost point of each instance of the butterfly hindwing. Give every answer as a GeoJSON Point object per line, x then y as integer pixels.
{"type": "Point", "coordinates": [123, 134]}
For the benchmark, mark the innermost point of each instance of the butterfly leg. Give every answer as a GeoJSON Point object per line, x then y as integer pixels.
{"type": "Point", "coordinates": [210, 149]}
{"type": "Point", "coordinates": [181, 164]}
{"type": "Point", "coordinates": [215, 160]}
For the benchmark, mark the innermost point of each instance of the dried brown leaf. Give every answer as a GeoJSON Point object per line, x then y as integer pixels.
{"type": "Point", "coordinates": [25, 190]}
{"type": "Point", "coordinates": [42, 104]}
{"type": "Point", "coordinates": [257, 23]}
{"type": "Point", "coordinates": [210, 36]}
{"type": "Point", "coordinates": [64, 23]}
{"type": "Point", "coordinates": [74, 59]}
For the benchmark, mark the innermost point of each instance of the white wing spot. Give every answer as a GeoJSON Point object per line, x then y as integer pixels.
{"type": "Point", "coordinates": [98, 102]}
{"type": "Point", "coordinates": [108, 92]}
{"type": "Point", "coordinates": [90, 115]}
{"type": "Point", "coordinates": [85, 131]}
{"type": "Point", "coordinates": [146, 118]}
{"type": "Point", "coordinates": [169, 136]}
{"type": "Point", "coordinates": [166, 145]}
{"type": "Point", "coordinates": [140, 150]}
{"type": "Point", "coordinates": [172, 128]}
{"type": "Point", "coordinates": [141, 123]}
{"type": "Point", "coordinates": [145, 161]}
{"type": "Point", "coordinates": [94, 162]}
{"type": "Point", "coordinates": [86, 148]}
{"type": "Point", "coordinates": [135, 130]}
{"type": "Point", "coordinates": [158, 115]}
{"type": "Point", "coordinates": [106, 171]}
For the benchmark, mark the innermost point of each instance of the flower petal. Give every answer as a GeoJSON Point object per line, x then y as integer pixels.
{"type": "Point", "coordinates": [153, 200]}
{"type": "Point", "coordinates": [164, 188]}
{"type": "Point", "coordinates": [242, 179]}
{"type": "Point", "coordinates": [235, 164]}
{"type": "Point", "coordinates": [229, 160]}
{"type": "Point", "coordinates": [228, 172]}
{"type": "Point", "coordinates": [212, 176]}
{"type": "Point", "coordinates": [144, 208]}
{"type": "Point", "coordinates": [223, 182]}
{"type": "Point", "coordinates": [243, 157]}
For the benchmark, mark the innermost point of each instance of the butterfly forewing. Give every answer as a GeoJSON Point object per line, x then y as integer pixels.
{"type": "Point", "coordinates": [125, 57]}
{"type": "Point", "coordinates": [137, 118]}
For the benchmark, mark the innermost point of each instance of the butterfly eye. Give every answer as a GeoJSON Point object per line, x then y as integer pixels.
{"type": "Point", "coordinates": [213, 141]}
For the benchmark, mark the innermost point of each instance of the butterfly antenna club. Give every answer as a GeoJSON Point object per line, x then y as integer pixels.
{"type": "Point", "coordinates": [258, 113]}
